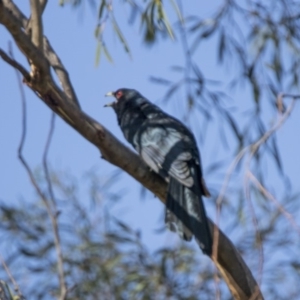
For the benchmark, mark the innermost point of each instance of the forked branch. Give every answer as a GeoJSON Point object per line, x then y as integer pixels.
{"type": "Point", "coordinates": [228, 261]}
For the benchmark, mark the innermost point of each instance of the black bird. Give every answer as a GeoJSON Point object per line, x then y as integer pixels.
{"type": "Point", "coordinates": [170, 149]}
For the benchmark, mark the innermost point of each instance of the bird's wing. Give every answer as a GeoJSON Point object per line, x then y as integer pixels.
{"type": "Point", "coordinates": [165, 151]}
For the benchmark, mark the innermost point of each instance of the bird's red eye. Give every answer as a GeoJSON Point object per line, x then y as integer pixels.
{"type": "Point", "coordinates": [119, 94]}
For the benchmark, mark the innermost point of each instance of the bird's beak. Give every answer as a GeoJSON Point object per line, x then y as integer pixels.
{"type": "Point", "coordinates": [109, 94]}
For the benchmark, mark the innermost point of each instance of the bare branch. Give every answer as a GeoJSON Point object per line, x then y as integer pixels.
{"type": "Point", "coordinates": [22, 40]}
{"type": "Point", "coordinates": [229, 262]}
{"type": "Point", "coordinates": [255, 224]}
{"type": "Point", "coordinates": [45, 163]}
{"type": "Point", "coordinates": [43, 4]}
{"type": "Point", "coordinates": [28, 27]}
{"type": "Point", "coordinates": [251, 149]}
{"type": "Point", "coordinates": [61, 71]}
{"type": "Point", "coordinates": [50, 54]}
{"type": "Point", "coordinates": [268, 195]}
{"type": "Point", "coordinates": [12, 279]}
{"type": "Point", "coordinates": [52, 214]}
{"type": "Point", "coordinates": [15, 64]}
{"type": "Point", "coordinates": [36, 24]}
{"type": "Point", "coordinates": [24, 22]}
{"type": "Point", "coordinates": [14, 10]}
{"type": "Point", "coordinates": [255, 146]}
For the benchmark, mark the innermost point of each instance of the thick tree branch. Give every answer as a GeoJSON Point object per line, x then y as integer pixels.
{"type": "Point", "coordinates": [42, 4]}
{"type": "Point", "coordinates": [229, 262]}
{"type": "Point", "coordinates": [36, 24]}
{"type": "Point", "coordinates": [49, 53]}
{"type": "Point", "coordinates": [24, 43]}
{"type": "Point", "coordinates": [14, 10]}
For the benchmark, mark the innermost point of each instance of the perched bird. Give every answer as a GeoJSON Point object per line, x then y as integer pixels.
{"type": "Point", "coordinates": [169, 148]}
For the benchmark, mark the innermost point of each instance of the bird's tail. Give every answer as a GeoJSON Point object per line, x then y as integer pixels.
{"type": "Point", "coordinates": [185, 214]}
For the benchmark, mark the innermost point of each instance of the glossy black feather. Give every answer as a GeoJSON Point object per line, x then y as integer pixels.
{"type": "Point", "coordinates": [170, 149]}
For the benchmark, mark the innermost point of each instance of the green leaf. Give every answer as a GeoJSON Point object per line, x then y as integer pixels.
{"type": "Point", "coordinates": [120, 35]}
{"type": "Point", "coordinates": [101, 9]}
{"type": "Point", "coordinates": [98, 54]}
{"type": "Point", "coordinates": [177, 10]}
{"type": "Point", "coordinates": [163, 17]}
{"type": "Point", "coordinates": [101, 47]}
{"type": "Point", "coordinates": [168, 26]}
{"type": "Point", "coordinates": [107, 54]}
{"type": "Point", "coordinates": [97, 30]}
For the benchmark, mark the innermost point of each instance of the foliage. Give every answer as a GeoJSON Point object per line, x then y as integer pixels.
{"type": "Point", "coordinates": [103, 257]}
{"type": "Point", "coordinates": [257, 47]}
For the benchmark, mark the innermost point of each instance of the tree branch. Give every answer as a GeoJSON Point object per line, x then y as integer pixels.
{"type": "Point", "coordinates": [15, 65]}
{"type": "Point", "coordinates": [52, 212]}
{"type": "Point", "coordinates": [228, 261]}
{"type": "Point", "coordinates": [36, 24]}
{"type": "Point", "coordinates": [14, 10]}
{"type": "Point", "coordinates": [12, 279]}
{"type": "Point", "coordinates": [60, 71]}
{"type": "Point", "coordinates": [50, 54]}
{"type": "Point", "coordinates": [24, 43]}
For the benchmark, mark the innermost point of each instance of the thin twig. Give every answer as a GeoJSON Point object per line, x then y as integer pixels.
{"type": "Point", "coordinates": [282, 118]}
{"type": "Point", "coordinates": [188, 67]}
{"type": "Point", "coordinates": [60, 71]}
{"type": "Point", "coordinates": [45, 163]}
{"type": "Point", "coordinates": [221, 196]}
{"type": "Point", "coordinates": [255, 224]}
{"type": "Point", "coordinates": [268, 195]}
{"type": "Point", "coordinates": [15, 65]}
{"type": "Point", "coordinates": [253, 148]}
{"type": "Point", "coordinates": [52, 215]}
{"type": "Point", "coordinates": [12, 279]}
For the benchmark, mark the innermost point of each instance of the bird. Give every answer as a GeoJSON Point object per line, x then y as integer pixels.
{"type": "Point", "coordinates": [169, 148]}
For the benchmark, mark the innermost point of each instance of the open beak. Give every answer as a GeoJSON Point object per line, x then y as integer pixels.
{"type": "Point", "coordinates": [109, 94]}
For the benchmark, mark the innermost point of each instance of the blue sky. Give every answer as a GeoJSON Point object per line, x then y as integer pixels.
{"type": "Point", "coordinates": [71, 33]}
{"type": "Point", "coordinates": [75, 43]}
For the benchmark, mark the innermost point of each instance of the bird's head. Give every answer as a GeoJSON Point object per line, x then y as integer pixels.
{"type": "Point", "coordinates": [121, 96]}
